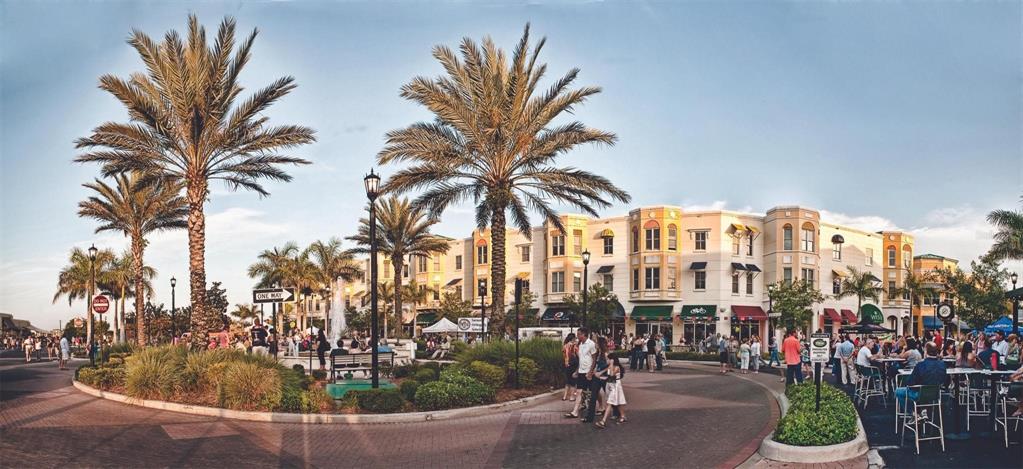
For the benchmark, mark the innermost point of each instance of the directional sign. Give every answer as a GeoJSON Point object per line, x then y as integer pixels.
{"type": "Point", "coordinates": [273, 295]}
{"type": "Point", "coordinates": [820, 345]}
{"type": "Point", "coordinates": [100, 304]}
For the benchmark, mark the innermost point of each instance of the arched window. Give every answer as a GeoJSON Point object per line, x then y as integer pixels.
{"type": "Point", "coordinates": [907, 257]}
{"type": "Point", "coordinates": [635, 239]}
{"type": "Point", "coordinates": [672, 238]}
{"type": "Point", "coordinates": [808, 236]}
{"type": "Point", "coordinates": [891, 256]}
{"type": "Point", "coordinates": [786, 236]}
{"type": "Point", "coordinates": [482, 253]}
{"type": "Point", "coordinates": [652, 232]}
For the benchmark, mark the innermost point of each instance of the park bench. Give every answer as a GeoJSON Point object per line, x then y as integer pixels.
{"type": "Point", "coordinates": [341, 364]}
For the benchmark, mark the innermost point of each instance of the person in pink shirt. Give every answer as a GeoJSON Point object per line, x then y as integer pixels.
{"type": "Point", "coordinates": [791, 348]}
{"type": "Point", "coordinates": [224, 338]}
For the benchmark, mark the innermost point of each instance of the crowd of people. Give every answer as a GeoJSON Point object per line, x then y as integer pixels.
{"type": "Point", "coordinates": [593, 376]}
{"type": "Point", "coordinates": [55, 347]}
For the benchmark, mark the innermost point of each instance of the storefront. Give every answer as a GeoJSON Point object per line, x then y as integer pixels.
{"type": "Point", "coordinates": [616, 326]}
{"type": "Point", "coordinates": [557, 316]}
{"type": "Point", "coordinates": [698, 323]}
{"type": "Point", "coordinates": [748, 321]}
{"type": "Point", "coordinates": [653, 320]}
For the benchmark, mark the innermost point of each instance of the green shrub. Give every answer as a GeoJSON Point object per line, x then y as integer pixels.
{"type": "Point", "coordinates": [408, 389]}
{"type": "Point", "coordinates": [425, 375]}
{"type": "Point", "coordinates": [438, 395]}
{"type": "Point", "coordinates": [527, 371]}
{"type": "Point", "coordinates": [802, 425]}
{"type": "Point", "coordinates": [248, 386]}
{"type": "Point", "coordinates": [154, 373]}
{"type": "Point", "coordinates": [431, 365]}
{"type": "Point", "coordinates": [319, 375]}
{"type": "Point", "coordinates": [490, 375]}
{"type": "Point", "coordinates": [203, 370]}
{"type": "Point", "coordinates": [291, 400]}
{"type": "Point", "coordinates": [298, 368]}
{"type": "Point", "coordinates": [379, 400]}
{"type": "Point", "coordinates": [546, 353]}
{"type": "Point", "coordinates": [470, 390]}
{"type": "Point", "coordinates": [316, 400]}
{"type": "Point", "coordinates": [103, 377]}
{"type": "Point", "coordinates": [404, 371]}
{"type": "Point", "coordinates": [421, 355]}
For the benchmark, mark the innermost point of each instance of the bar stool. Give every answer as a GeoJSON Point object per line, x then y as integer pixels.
{"type": "Point", "coordinates": [869, 385]}
{"type": "Point", "coordinates": [978, 398]}
{"type": "Point", "coordinates": [928, 398]}
{"type": "Point", "coordinates": [900, 415]}
{"type": "Point", "coordinates": [1007, 404]}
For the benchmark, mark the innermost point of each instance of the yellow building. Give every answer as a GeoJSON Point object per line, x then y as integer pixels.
{"type": "Point", "coordinates": [897, 262]}
{"type": "Point", "coordinates": [925, 266]}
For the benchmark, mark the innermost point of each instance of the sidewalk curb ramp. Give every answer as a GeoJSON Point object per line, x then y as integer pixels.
{"type": "Point", "coordinates": [283, 417]}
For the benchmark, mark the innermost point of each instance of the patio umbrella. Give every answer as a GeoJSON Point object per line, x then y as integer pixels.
{"type": "Point", "coordinates": [1003, 324]}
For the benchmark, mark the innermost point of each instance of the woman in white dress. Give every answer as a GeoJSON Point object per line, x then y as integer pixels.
{"type": "Point", "coordinates": [615, 394]}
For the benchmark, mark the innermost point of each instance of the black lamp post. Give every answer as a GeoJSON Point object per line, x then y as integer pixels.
{"type": "Point", "coordinates": [372, 182]}
{"type": "Point", "coordinates": [770, 309]}
{"type": "Point", "coordinates": [92, 293]}
{"type": "Point", "coordinates": [1015, 305]}
{"type": "Point", "coordinates": [174, 326]}
{"type": "Point", "coordinates": [586, 275]}
{"type": "Point", "coordinates": [482, 285]}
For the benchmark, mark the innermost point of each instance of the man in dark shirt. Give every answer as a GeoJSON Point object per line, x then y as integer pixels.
{"type": "Point", "coordinates": [989, 357]}
{"type": "Point", "coordinates": [651, 353]}
{"type": "Point", "coordinates": [929, 372]}
{"type": "Point", "coordinates": [259, 336]}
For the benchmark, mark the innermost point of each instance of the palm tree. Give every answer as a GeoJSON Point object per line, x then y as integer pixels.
{"type": "Point", "coordinates": [118, 278]}
{"type": "Point", "coordinates": [416, 294]}
{"type": "Point", "coordinates": [861, 284]}
{"type": "Point", "coordinates": [916, 287]}
{"type": "Point", "coordinates": [243, 312]}
{"type": "Point", "coordinates": [493, 141]}
{"type": "Point", "coordinates": [185, 125]}
{"type": "Point", "coordinates": [331, 262]}
{"type": "Point", "coordinates": [1009, 237]}
{"type": "Point", "coordinates": [136, 208]}
{"type": "Point", "coordinates": [386, 292]}
{"type": "Point", "coordinates": [75, 281]}
{"type": "Point", "coordinates": [272, 269]}
{"type": "Point", "coordinates": [403, 231]}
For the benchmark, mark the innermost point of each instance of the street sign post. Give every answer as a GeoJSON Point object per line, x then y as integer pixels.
{"type": "Point", "coordinates": [273, 295]}
{"type": "Point", "coordinates": [100, 304]}
{"type": "Point", "coordinates": [820, 346]}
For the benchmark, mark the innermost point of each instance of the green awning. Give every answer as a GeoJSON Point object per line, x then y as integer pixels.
{"type": "Point", "coordinates": [698, 312]}
{"type": "Point", "coordinates": [871, 314]}
{"type": "Point", "coordinates": [426, 318]}
{"type": "Point", "coordinates": [651, 313]}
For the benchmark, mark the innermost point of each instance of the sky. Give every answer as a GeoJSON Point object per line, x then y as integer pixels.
{"type": "Point", "coordinates": [894, 115]}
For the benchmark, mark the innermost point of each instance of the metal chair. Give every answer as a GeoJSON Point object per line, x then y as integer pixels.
{"type": "Point", "coordinates": [978, 398]}
{"type": "Point", "coordinates": [1004, 418]}
{"type": "Point", "coordinates": [900, 415]}
{"type": "Point", "coordinates": [870, 384]}
{"type": "Point", "coordinates": [928, 398]}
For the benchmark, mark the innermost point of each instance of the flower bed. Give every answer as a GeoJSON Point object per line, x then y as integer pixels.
{"type": "Point", "coordinates": [802, 425]}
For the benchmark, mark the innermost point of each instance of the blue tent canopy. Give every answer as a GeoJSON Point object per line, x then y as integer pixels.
{"type": "Point", "coordinates": [1003, 324]}
{"type": "Point", "coordinates": [931, 323]}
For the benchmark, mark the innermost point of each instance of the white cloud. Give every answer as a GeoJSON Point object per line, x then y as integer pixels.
{"type": "Point", "coordinates": [715, 206]}
{"type": "Point", "coordinates": [870, 223]}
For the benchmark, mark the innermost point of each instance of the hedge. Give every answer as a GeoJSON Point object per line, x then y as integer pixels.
{"type": "Point", "coordinates": [491, 375]}
{"type": "Point", "coordinates": [425, 375]}
{"type": "Point", "coordinates": [802, 425]}
{"type": "Point", "coordinates": [408, 389]}
{"type": "Point", "coordinates": [527, 371]}
{"type": "Point", "coordinates": [379, 400]}
{"type": "Point", "coordinates": [455, 389]}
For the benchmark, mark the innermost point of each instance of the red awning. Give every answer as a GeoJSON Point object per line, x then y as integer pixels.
{"type": "Point", "coordinates": [830, 312]}
{"type": "Point", "coordinates": [849, 316]}
{"type": "Point", "coordinates": [755, 313]}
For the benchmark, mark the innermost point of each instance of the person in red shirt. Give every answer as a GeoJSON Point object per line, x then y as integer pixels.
{"type": "Point", "coordinates": [793, 370]}
{"type": "Point", "coordinates": [937, 339]}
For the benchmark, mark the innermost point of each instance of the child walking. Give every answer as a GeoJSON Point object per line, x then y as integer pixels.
{"type": "Point", "coordinates": [615, 393]}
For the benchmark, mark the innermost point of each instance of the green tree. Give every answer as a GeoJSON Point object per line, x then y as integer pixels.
{"type": "Point", "coordinates": [331, 262]}
{"type": "Point", "coordinates": [602, 305]}
{"type": "Point", "coordinates": [979, 296]}
{"type": "Point", "coordinates": [1009, 237]}
{"type": "Point", "coordinates": [416, 295]}
{"type": "Point", "coordinates": [452, 306]}
{"type": "Point", "coordinates": [916, 288]}
{"type": "Point", "coordinates": [75, 280]}
{"type": "Point", "coordinates": [526, 319]}
{"type": "Point", "coordinates": [243, 312]}
{"type": "Point", "coordinates": [862, 285]}
{"type": "Point", "coordinates": [794, 301]}
{"type": "Point", "coordinates": [493, 141]}
{"type": "Point", "coordinates": [186, 126]}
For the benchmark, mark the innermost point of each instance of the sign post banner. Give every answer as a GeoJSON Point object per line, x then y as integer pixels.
{"type": "Point", "coordinates": [273, 295]}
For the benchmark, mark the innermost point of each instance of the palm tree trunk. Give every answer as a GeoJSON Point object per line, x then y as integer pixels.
{"type": "Point", "coordinates": [124, 323]}
{"type": "Point", "coordinates": [136, 253]}
{"type": "Point", "coordinates": [398, 263]}
{"type": "Point", "coordinates": [200, 324]}
{"type": "Point", "coordinates": [497, 227]}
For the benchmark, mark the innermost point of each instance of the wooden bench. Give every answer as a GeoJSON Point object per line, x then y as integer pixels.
{"type": "Point", "coordinates": [341, 364]}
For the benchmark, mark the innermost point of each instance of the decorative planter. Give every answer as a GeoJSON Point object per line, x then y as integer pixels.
{"type": "Point", "coordinates": [776, 451]}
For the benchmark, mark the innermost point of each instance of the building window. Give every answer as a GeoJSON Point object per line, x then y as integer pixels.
{"type": "Point", "coordinates": [735, 245]}
{"type": "Point", "coordinates": [525, 286]}
{"type": "Point", "coordinates": [458, 262]}
{"type": "Point", "coordinates": [558, 245]}
{"type": "Point", "coordinates": [891, 289]}
{"type": "Point", "coordinates": [891, 257]}
{"type": "Point", "coordinates": [836, 251]}
{"type": "Point", "coordinates": [577, 281]}
{"type": "Point", "coordinates": [421, 262]}
{"type": "Point", "coordinates": [905, 295]}
{"type": "Point", "coordinates": [907, 258]}
{"type": "Point", "coordinates": [436, 264]}
{"type": "Point", "coordinates": [735, 283]}
{"type": "Point", "coordinates": [635, 279]}
{"type": "Point", "coordinates": [652, 231]}
{"type": "Point", "coordinates": [609, 245]}
{"type": "Point", "coordinates": [749, 284]}
{"type": "Point", "coordinates": [836, 287]}
{"type": "Point", "coordinates": [700, 282]}
{"type": "Point", "coordinates": [609, 282]}
{"type": "Point", "coordinates": [701, 241]}
{"type": "Point", "coordinates": [786, 234]}
{"type": "Point", "coordinates": [786, 274]}
{"type": "Point", "coordinates": [749, 246]}
{"type": "Point", "coordinates": [404, 270]}
{"type": "Point", "coordinates": [525, 253]}
{"type": "Point", "coordinates": [635, 239]}
{"type": "Point", "coordinates": [808, 275]}
{"type": "Point", "coordinates": [577, 242]}
{"type": "Point", "coordinates": [653, 278]}
{"type": "Point", "coordinates": [436, 292]}
{"type": "Point", "coordinates": [672, 278]}
{"type": "Point", "coordinates": [557, 282]}
{"type": "Point", "coordinates": [808, 238]}
{"type": "Point", "coordinates": [482, 254]}
{"type": "Point", "coordinates": [387, 269]}
{"type": "Point", "coordinates": [672, 238]}
{"type": "Point", "coordinates": [869, 256]}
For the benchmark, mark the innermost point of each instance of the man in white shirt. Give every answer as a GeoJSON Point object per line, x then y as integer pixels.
{"type": "Point", "coordinates": [584, 373]}
{"type": "Point", "coordinates": [864, 355]}
{"type": "Point", "coordinates": [1000, 346]}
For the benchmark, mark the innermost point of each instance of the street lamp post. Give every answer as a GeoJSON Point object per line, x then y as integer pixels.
{"type": "Point", "coordinates": [372, 183]}
{"type": "Point", "coordinates": [174, 326]}
{"type": "Point", "coordinates": [1015, 306]}
{"type": "Point", "coordinates": [92, 293]}
{"type": "Point", "coordinates": [586, 275]}
{"type": "Point", "coordinates": [770, 309]}
{"type": "Point", "coordinates": [482, 284]}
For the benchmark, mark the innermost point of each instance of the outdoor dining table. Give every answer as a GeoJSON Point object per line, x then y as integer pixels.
{"type": "Point", "coordinates": [956, 414]}
{"type": "Point", "coordinates": [887, 363]}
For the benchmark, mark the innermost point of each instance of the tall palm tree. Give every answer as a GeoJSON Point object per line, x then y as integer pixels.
{"type": "Point", "coordinates": [493, 141]}
{"type": "Point", "coordinates": [136, 208]}
{"type": "Point", "coordinates": [332, 262]}
{"type": "Point", "coordinates": [402, 231]}
{"type": "Point", "coordinates": [386, 291]}
{"type": "Point", "coordinates": [75, 280]}
{"type": "Point", "coordinates": [916, 287]}
{"type": "Point", "coordinates": [185, 125]}
{"type": "Point", "coordinates": [302, 274]}
{"type": "Point", "coordinates": [272, 269]}
{"type": "Point", "coordinates": [416, 294]}
{"type": "Point", "coordinates": [861, 284]}
{"type": "Point", "coordinates": [1009, 237]}
{"type": "Point", "coordinates": [119, 280]}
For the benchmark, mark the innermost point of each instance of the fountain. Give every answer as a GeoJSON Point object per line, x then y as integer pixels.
{"type": "Point", "coordinates": [338, 323]}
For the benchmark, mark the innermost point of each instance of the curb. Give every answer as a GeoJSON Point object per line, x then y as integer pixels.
{"type": "Point", "coordinates": [284, 417]}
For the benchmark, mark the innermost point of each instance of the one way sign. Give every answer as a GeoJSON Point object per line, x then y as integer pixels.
{"type": "Point", "coordinates": [273, 295]}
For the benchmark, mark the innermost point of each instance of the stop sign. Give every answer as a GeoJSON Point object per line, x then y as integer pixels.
{"type": "Point", "coordinates": [100, 304]}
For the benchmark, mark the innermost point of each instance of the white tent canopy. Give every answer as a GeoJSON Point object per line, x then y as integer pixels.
{"type": "Point", "coordinates": [442, 326]}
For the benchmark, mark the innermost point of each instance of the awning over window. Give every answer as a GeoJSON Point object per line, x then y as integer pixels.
{"type": "Point", "coordinates": [838, 273]}
{"type": "Point", "coordinates": [849, 316]}
{"type": "Point", "coordinates": [607, 233]}
{"type": "Point", "coordinates": [426, 318]}
{"type": "Point", "coordinates": [651, 313]}
{"type": "Point", "coordinates": [754, 313]}
{"type": "Point", "coordinates": [752, 268]}
{"type": "Point", "coordinates": [837, 239]}
{"type": "Point", "coordinates": [698, 312]}
{"type": "Point", "coordinates": [605, 269]}
{"type": "Point", "coordinates": [453, 282]}
{"type": "Point", "coordinates": [738, 266]}
{"type": "Point", "coordinates": [619, 311]}
{"type": "Point", "coordinates": [558, 313]}
{"type": "Point", "coordinates": [932, 323]}
{"type": "Point", "coordinates": [752, 229]}
{"type": "Point", "coordinates": [698, 266]}
{"type": "Point", "coordinates": [874, 278]}
{"type": "Point", "coordinates": [831, 313]}
{"type": "Point", "coordinates": [738, 227]}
